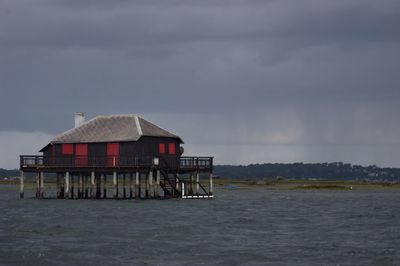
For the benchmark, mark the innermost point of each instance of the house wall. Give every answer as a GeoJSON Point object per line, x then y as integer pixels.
{"type": "Point", "coordinates": [145, 148]}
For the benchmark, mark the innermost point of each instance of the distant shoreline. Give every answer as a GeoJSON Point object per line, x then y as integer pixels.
{"type": "Point", "coordinates": [228, 183]}
{"type": "Point", "coordinates": [233, 183]}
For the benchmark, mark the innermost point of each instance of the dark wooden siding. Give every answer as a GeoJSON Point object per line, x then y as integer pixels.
{"type": "Point", "coordinates": [47, 154]}
{"type": "Point", "coordinates": [146, 148]}
{"type": "Point", "coordinates": [97, 153]}
{"type": "Point", "coordinates": [149, 146]}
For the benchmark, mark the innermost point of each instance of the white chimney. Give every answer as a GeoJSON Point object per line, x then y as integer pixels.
{"type": "Point", "coordinates": [79, 118]}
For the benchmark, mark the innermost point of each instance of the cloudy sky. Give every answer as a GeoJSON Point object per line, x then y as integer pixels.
{"type": "Point", "coordinates": [244, 81]}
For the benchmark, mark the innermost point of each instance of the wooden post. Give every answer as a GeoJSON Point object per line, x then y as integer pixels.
{"type": "Point", "coordinates": [157, 188]}
{"type": "Point", "coordinates": [197, 182]}
{"type": "Point", "coordinates": [92, 187]}
{"type": "Point", "coordinates": [211, 184]}
{"type": "Point", "coordinates": [190, 186]}
{"type": "Point", "coordinates": [66, 191]}
{"type": "Point", "coordinates": [37, 185]}
{"type": "Point", "coordinates": [176, 184]}
{"type": "Point", "coordinates": [62, 185]}
{"type": "Point", "coordinates": [41, 185]}
{"type": "Point", "coordinates": [21, 183]}
{"type": "Point", "coordinates": [85, 181]}
{"type": "Point", "coordinates": [147, 177]}
{"type": "Point", "coordinates": [80, 183]}
{"type": "Point", "coordinates": [58, 186]}
{"type": "Point", "coordinates": [151, 184]}
{"type": "Point", "coordinates": [130, 185]}
{"type": "Point", "coordinates": [137, 186]}
{"type": "Point", "coordinates": [72, 186]}
{"type": "Point", "coordinates": [115, 186]}
{"type": "Point", "coordinates": [123, 184]}
{"type": "Point", "coordinates": [101, 183]}
{"type": "Point", "coordinates": [80, 186]}
{"type": "Point", "coordinates": [105, 187]}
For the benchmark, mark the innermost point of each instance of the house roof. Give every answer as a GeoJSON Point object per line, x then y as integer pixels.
{"type": "Point", "coordinates": [112, 128]}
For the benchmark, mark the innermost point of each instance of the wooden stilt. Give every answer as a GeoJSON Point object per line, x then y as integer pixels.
{"type": "Point", "coordinates": [85, 186]}
{"type": "Point", "coordinates": [80, 184]}
{"type": "Point", "coordinates": [197, 182]}
{"type": "Point", "coordinates": [37, 185]}
{"type": "Point", "coordinates": [115, 187]}
{"type": "Point", "coordinates": [190, 187]}
{"type": "Point", "coordinates": [101, 184]}
{"type": "Point", "coordinates": [92, 187]}
{"type": "Point", "coordinates": [176, 184]}
{"type": "Point", "coordinates": [98, 186]}
{"type": "Point", "coordinates": [21, 186]}
{"type": "Point", "coordinates": [72, 186]}
{"type": "Point", "coordinates": [123, 184]}
{"type": "Point", "coordinates": [105, 186]}
{"type": "Point", "coordinates": [137, 184]}
{"type": "Point", "coordinates": [130, 185]}
{"type": "Point", "coordinates": [58, 185]}
{"type": "Point", "coordinates": [146, 186]}
{"type": "Point", "coordinates": [62, 187]}
{"type": "Point", "coordinates": [66, 191]}
{"type": "Point", "coordinates": [151, 184]}
{"type": "Point", "coordinates": [157, 188]}
{"type": "Point", "coordinates": [41, 185]}
{"type": "Point", "coordinates": [211, 184]}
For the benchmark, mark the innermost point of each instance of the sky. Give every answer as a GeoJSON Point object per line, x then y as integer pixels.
{"type": "Point", "coordinates": [246, 81]}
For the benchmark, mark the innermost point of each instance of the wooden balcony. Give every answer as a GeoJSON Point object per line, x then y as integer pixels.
{"type": "Point", "coordinates": [35, 163]}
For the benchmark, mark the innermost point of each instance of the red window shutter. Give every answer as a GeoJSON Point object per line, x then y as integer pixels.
{"type": "Point", "coordinates": [112, 154]}
{"type": "Point", "coordinates": [171, 148]}
{"type": "Point", "coordinates": [161, 148]}
{"type": "Point", "coordinates": [67, 149]}
{"type": "Point", "coordinates": [81, 153]}
{"type": "Point", "coordinates": [112, 149]}
{"type": "Point", "coordinates": [81, 150]}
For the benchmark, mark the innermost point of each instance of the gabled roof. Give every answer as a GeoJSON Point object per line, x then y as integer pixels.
{"type": "Point", "coordinates": [112, 128]}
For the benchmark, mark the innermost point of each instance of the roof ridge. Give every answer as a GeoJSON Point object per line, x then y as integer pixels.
{"type": "Point", "coordinates": [138, 126]}
{"type": "Point", "coordinates": [114, 115]}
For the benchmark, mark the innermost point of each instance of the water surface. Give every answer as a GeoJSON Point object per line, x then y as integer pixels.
{"type": "Point", "coordinates": [239, 227]}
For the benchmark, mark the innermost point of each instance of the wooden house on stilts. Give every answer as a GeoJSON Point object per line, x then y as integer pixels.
{"type": "Point", "coordinates": [123, 153]}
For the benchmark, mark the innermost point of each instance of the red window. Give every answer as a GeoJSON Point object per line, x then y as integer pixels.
{"type": "Point", "coordinates": [161, 148]}
{"type": "Point", "coordinates": [171, 148]}
{"type": "Point", "coordinates": [67, 149]}
{"type": "Point", "coordinates": [113, 154]}
{"type": "Point", "coordinates": [81, 154]}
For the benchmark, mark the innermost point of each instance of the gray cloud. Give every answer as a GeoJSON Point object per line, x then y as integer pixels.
{"type": "Point", "coordinates": [263, 73]}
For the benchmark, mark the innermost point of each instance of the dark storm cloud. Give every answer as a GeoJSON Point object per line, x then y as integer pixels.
{"type": "Point", "coordinates": [261, 72]}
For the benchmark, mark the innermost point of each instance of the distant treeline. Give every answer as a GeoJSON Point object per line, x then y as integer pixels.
{"type": "Point", "coordinates": [8, 173]}
{"type": "Point", "coordinates": [334, 171]}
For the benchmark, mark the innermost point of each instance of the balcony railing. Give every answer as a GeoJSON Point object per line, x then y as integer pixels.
{"type": "Point", "coordinates": [172, 162]}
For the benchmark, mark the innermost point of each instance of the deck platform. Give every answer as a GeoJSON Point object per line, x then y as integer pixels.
{"type": "Point", "coordinates": [142, 177]}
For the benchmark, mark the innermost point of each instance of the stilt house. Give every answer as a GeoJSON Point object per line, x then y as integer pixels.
{"type": "Point", "coordinates": [146, 157]}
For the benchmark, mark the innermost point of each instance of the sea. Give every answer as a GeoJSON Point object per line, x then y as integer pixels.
{"type": "Point", "coordinates": [240, 226]}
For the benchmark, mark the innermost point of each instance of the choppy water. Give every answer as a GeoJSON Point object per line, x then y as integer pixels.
{"type": "Point", "coordinates": [238, 227]}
